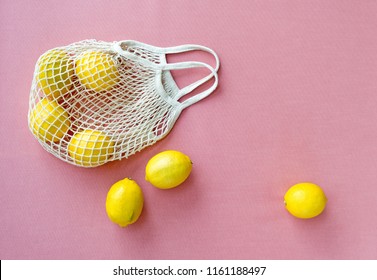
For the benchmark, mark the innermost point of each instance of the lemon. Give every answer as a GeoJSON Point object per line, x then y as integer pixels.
{"type": "Point", "coordinates": [54, 73]}
{"type": "Point", "coordinates": [124, 202]}
{"type": "Point", "coordinates": [90, 147]}
{"type": "Point", "coordinates": [168, 169]}
{"type": "Point", "coordinates": [49, 121]}
{"type": "Point", "coordinates": [97, 70]}
{"type": "Point", "coordinates": [305, 200]}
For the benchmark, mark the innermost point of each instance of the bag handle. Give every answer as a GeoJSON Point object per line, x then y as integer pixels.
{"type": "Point", "coordinates": [188, 89]}
{"type": "Point", "coordinates": [117, 46]}
{"type": "Point", "coordinates": [187, 48]}
{"type": "Point", "coordinates": [193, 64]}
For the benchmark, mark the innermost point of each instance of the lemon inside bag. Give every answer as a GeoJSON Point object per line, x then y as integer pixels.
{"type": "Point", "coordinates": [110, 100]}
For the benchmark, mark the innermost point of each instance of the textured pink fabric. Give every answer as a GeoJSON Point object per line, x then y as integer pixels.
{"type": "Point", "coordinates": [296, 102]}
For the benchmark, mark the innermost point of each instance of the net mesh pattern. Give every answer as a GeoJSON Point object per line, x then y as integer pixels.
{"type": "Point", "coordinates": [90, 105]}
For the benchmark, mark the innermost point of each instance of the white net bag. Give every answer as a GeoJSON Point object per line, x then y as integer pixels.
{"type": "Point", "coordinates": [92, 102]}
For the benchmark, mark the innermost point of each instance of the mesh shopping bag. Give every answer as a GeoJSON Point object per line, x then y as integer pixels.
{"type": "Point", "coordinates": [92, 102]}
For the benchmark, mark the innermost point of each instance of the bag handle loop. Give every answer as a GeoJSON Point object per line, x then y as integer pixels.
{"type": "Point", "coordinates": [187, 48]}
{"type": "Point", "coordinates": [188, 89]}
{"type": "Point", "coordinates": [193, 64]}
{"type": "Point", "coordinates": [179, 65]}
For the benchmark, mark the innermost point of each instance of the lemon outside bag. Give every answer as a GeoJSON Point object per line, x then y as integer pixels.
{"type": "Point", "coordinates": [92, 102]}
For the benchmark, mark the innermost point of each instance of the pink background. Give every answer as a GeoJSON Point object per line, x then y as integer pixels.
{"type": "Point", "coordinates": [296, 102]}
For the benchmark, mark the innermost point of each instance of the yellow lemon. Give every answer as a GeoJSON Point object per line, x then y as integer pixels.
{"type": "Point", "coordinates": [49, 121]}
{"type": "Point", "coordinates": [305, 200]}
{"type": "Point", "coordinates": [168, 169]}
{"type": "Point", "coordinates": [54, 73]}
{"type": "Point", "coordinates": [124, 202]}
{"type": "Point", "coordinates": [97, 70]}
{"type": "Point", "coordinates": [90, 148]}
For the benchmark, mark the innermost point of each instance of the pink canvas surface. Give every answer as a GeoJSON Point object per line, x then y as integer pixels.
{"type": "Point", "coordinates": [296, 102]}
